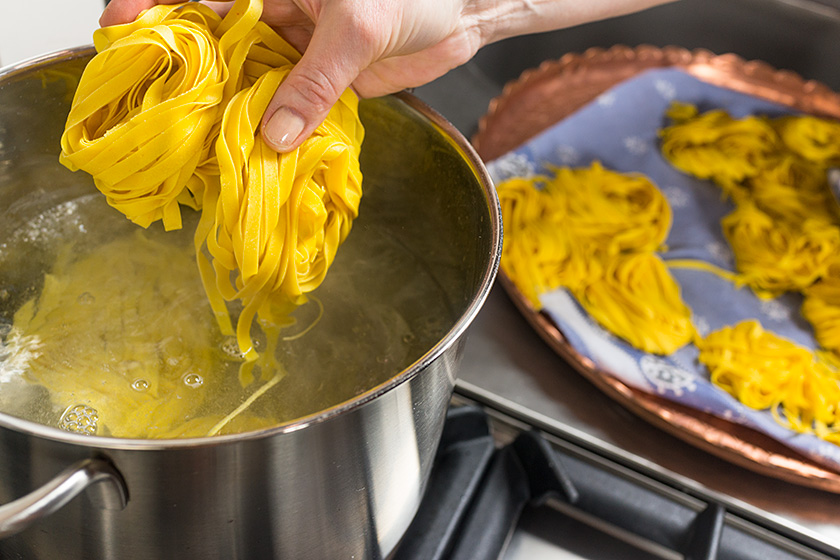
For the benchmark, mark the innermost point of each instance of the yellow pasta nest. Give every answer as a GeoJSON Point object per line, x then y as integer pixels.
{"type": "Point", "coordinates": [143, 111]}
{"type": "Point", "coordinates": [638, 299]}
{"type": "Point", "coordinates": [594, 232]}
{"type": "Point", "coordinates": [812, 138]}
{"type": "Point", "coordinates": [775, 256]}
{"type": "Point", "coordinates": [715, 146]}
{"type": "Point", "coordinates": [167, 114]}
{"type": "Point", "coordinates": [763, 370]}
{"type": "Point", "coordinates": [821, 308]}
{"type": "Point", "coordinates": [785, 230]}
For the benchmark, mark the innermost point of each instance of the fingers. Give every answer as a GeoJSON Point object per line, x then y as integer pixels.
{"type": "Point", "coordinates": [339, 50]}
{"type": "Point", "coordinates": [342, 45]}
{"type": "Point", "coordinates": [125, 11]}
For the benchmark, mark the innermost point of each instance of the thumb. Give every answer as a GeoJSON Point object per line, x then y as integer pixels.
{"type": "Point", "coordinates": [333, 59]}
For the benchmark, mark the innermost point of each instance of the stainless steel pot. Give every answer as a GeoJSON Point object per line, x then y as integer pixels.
{"type": "Point", "coordinates": [342, 483]}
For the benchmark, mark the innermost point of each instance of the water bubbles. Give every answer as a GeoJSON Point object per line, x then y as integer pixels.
{"type": "Point", "coordinates": [193, 380]}
{"type": "Point", "coordinates": [79, 419]}
{"type": "Point", "coordinates": [140, 385]}
{"type": "Point", "coordinates": [230, 348]}
{"type": "Point", "coordinates": [86, 298]}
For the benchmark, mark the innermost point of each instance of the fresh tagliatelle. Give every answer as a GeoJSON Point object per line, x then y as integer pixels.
{"type": "Point", "coordinates": [785, 236]}
{"type": "Point", "coordinates": [595, 232]}
{"type": "Point", "coordinates": [639, 300]}
{"type": "Point", "coordinates": [278, 219]}
{"type": "Point", "coordinates": [821, 307]}
{"type": "Point", "coordinates": [167, 114]}
{"type": "Point", "coordinates": [765, 371]}
{"type": "Point", "coordinates": [142, 114]}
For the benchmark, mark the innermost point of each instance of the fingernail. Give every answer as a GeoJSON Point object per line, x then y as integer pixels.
{"type": "Point", "coordinates": [283, 128]}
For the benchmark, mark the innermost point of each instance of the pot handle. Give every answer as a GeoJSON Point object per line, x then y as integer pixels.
{"type": "Point", "coordinates": [52, 496]}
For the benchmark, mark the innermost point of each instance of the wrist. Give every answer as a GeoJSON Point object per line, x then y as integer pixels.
{"type": "Point", "coordinates": [495, 20]}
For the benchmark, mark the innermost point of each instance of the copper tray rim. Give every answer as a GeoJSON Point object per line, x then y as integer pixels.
{"type": "Point", "coordinates": [755, 77]}
{"type": "Point", "coordinates": [729, 70]}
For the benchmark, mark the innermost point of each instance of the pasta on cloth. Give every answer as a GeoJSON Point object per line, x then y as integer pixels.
{"type": "Point", "coordinates": [765, 371]}
{"type": "Point", "coordinates": [785, 236]}
{"type": "Point", "coordinates": [594, 232]}
{"type": "Point", "coordinates": [166, 115]}
{"type": "Point", "coordinates": [621, 130]}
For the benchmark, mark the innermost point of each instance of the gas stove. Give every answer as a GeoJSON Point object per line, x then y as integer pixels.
{"type": "Point", "coordinates": [505, 489]}
{"type": "Point", "coordinates": [511, 482]}
{"type": "Point", "coordinates": [608, 484]}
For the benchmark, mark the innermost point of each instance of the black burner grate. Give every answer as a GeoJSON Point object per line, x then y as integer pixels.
{"type": "Point", "coordinates": [478, 491]}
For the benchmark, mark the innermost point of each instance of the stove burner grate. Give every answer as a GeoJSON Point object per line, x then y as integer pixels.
{"type": "Point", "coordinates": [480, 488]}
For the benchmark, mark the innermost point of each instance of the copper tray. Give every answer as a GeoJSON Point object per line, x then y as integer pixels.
{"type": "Point", "coordinates": [543, 96]}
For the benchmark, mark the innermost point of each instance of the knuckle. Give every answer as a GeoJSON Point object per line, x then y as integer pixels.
{"type": "Point", "coordinates": [317, 88]}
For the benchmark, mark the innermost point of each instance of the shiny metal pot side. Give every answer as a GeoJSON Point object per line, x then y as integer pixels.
{"type": "Point", "coordinates": [342, 483]}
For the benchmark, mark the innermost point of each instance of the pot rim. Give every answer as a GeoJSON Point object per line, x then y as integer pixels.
{"type": "Point", "coordinates": [459, 142]}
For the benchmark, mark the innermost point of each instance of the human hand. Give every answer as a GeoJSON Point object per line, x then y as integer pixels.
{"type": "Point", "coordinates": [379, 47]}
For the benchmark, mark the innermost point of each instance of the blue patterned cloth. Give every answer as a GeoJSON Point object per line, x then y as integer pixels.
{"type": "Point", "coordinates": [620, 129]}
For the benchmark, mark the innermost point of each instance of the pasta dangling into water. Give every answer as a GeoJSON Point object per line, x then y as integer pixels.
{"type": "Point", "coordinates": [278, 219]}
{"type": "Point", "coordinates": [165, 117]}
{"type": "Point", "coordinates": [167, 113]}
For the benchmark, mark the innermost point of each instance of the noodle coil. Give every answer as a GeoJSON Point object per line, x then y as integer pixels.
{"type": "Point", "coordinates": [595, 232]}
{"type": "Point", "coordinates": [763, 370]}
{"type": "Point", "coordinates": [166, 115]}
{"type": "Point", "coordinates": [143, 110]}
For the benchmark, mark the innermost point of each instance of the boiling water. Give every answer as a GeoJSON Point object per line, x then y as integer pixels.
{"type": "Point", "coordinates": [105, 329]}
